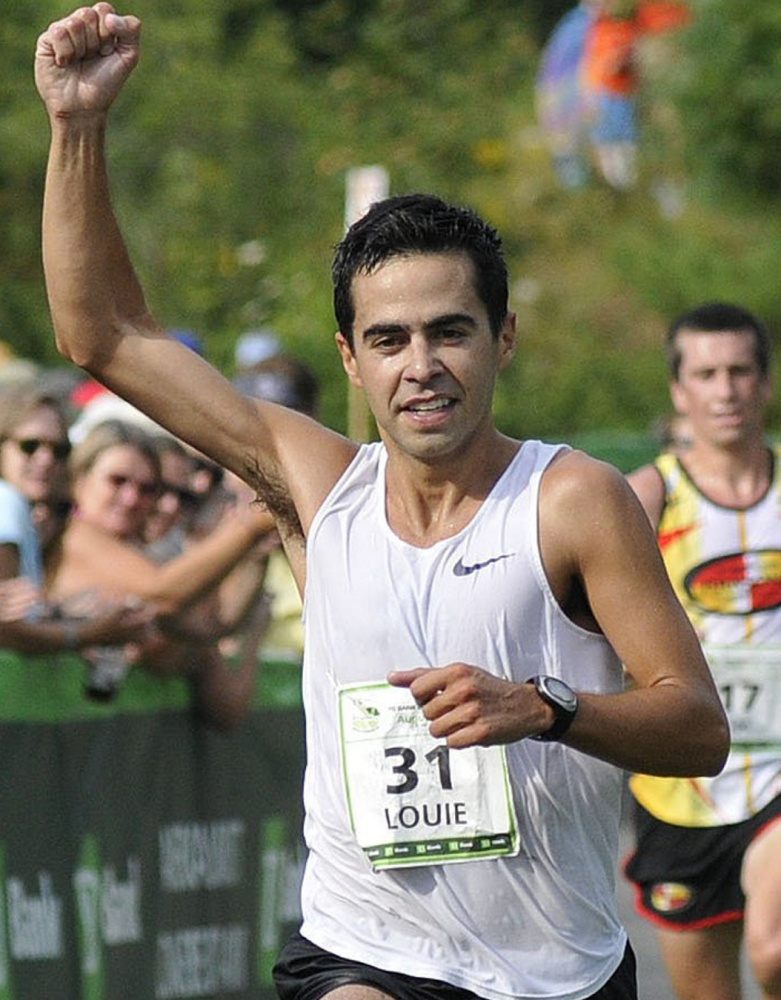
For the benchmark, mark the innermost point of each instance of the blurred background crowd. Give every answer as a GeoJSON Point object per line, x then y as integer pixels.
{"type": "Point", "coordinates": [122, 544]}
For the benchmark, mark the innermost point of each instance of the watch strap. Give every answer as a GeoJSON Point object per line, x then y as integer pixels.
{"type": "Point", "coordinates": [563, 717]}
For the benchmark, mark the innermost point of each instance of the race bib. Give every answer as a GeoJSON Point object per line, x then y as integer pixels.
{"type": "Point", "coordinates": [749, 682]}
{"type": "Point", "coordinates": [412, 800]}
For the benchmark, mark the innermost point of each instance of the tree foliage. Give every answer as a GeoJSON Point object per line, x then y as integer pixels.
{"type": "Point", "coordinates": [230, 145]}
{"type": "Point", "coordinates": [727, 86]}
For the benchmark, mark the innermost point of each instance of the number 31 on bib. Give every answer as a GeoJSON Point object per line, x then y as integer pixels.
{"type": "Point", "coordinates": [412, 800]}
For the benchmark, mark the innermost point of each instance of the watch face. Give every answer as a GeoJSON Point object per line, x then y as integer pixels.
{"type": "Point", "coordinates": [561, 693]}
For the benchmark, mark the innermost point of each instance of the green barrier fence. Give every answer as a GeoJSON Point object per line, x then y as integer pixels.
{"type": "Point", "coordinates": [143, 855]}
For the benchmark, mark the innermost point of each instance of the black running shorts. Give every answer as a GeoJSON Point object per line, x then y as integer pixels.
{"type": "Point", "coordinates": [306, 972]}
{"type": "Point", "coordinates": [688, 878]}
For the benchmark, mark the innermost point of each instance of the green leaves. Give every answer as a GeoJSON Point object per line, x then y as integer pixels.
{"type": "Point", "coordinates": [230, 144]}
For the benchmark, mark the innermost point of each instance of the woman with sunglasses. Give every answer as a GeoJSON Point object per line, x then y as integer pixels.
{"type": "Point", "coordinates": [227, 626]}
{"type": "Point", "coordinates": [34, 501]}
{"type": "Point", "coordinates": [115, 474]}
{"type": "Point", "coordinates": [116, 481]}
{"type": "Point", "coordinates": [181, 517]}
{"type": "Point", "coordinates": [166, 527]}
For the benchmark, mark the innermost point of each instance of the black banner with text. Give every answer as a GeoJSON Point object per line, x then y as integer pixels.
{"type": "Point", "coordinates": [143, 855]}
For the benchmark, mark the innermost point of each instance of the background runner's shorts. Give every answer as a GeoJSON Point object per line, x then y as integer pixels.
{"type": "Point", "coordinates": [689, 877]}
{"type": "Point", "coordinates": [306, 972]}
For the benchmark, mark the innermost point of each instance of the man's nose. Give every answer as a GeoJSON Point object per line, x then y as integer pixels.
{"type": "Point", "coordinates": [423, 359]}
{"type": "Point", "coordinates": [725, 385]}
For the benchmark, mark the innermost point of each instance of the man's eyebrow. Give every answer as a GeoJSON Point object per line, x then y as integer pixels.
{"type": "Point", "coordinates": [437, 323]}
{"type": "Point", "coordinates": [383, 330]}
{"type": "Point", "coordinates": [451, 319]}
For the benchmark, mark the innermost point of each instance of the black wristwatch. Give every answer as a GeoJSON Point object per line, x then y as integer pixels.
{"type": "Point", "coordinates": [562, 699]}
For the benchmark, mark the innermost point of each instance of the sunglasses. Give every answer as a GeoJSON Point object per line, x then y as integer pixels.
{"type": "Point", "coordinates": [146, 490]}
{"type": "Point", "coordinates": [185, 497]}
{"type": "Point", "coordinates": [29, 446]}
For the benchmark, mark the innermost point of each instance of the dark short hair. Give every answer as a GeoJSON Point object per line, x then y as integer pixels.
{"type": "Point", "coordinates": [419, 224]}
{"type": "Point", "coordinates": [718, 317]}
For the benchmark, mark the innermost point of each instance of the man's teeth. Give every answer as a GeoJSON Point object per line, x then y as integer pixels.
{"type": "Point", "coordinates": [434, 404]}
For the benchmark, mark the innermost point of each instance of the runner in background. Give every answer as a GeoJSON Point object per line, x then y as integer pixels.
{"type": "Point", "coordinates": [707, 864]}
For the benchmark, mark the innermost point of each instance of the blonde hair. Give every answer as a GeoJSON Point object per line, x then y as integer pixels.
{"type": "Point", "coordinates": [112, 434]}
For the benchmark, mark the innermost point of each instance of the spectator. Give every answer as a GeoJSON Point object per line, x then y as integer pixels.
{"type": "Point", "coordinates": [116, 482]}
{"type": "Point", "coordinates": [223, 673]}
{"type": "Point", "coordinates": [179, 519]}
{"type": "Point", "coordinates": [285, 380]}
{"type": "Point", "coordinates": [176, 501]}
{"type": "Point", "coordinates": [34, 447]}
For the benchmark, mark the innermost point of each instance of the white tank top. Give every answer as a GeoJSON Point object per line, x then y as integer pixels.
{"type": "Point", "coordinates": [542, 924]}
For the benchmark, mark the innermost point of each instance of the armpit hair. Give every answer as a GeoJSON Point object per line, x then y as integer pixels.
{"type": "Point", "coordinates": [273, 494]}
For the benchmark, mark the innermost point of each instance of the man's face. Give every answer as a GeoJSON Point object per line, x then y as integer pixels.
{"type": "Point", "coordinates": [720, 387]}
{"type": "Point", "coordinates": [424, 353]}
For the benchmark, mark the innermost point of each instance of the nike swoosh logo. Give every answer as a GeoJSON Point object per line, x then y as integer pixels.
{"type": "Point", "coordinates": [461, 570]}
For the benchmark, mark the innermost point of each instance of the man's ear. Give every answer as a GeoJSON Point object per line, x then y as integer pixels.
{"type": "Point", "coordinates": [348, 359]}
{"type": "Point", "coordinates": [508, 341]}
{"type": "Point", "coordinates": [767, 390]}
{"type": "Point", "coordinates": [678, 397]}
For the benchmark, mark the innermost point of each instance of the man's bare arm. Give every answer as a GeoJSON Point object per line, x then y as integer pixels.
{"type": "Point", "coordinates": [671, 720]}
{"type": "Point", "coordinates": [100, 316]}
{"type": "Point", "coordinates": [593, 532]}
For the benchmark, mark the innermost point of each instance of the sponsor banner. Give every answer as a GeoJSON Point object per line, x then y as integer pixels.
{"type": "Point", "coordinates": [141, 853]}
